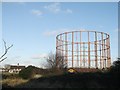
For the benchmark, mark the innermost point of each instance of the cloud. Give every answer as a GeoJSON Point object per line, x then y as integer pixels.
{"type": "Point", "coordinates": [69, 11]}
{"type": "Point", "coordinates": [53, 8]}
{"type": "Point", "coordinates": [50, 33]}
{"type": "Point", "coordinates": [56, 32]}
{"type": "Point", "coordinates": [56, 8]}
{"type": "Point", "coordinates": [36, 12]}
{"type": "Point", "coordinates": [40, 56]}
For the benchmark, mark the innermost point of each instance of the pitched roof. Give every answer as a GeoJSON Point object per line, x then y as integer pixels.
{"type": "Point", "coordinates": [17, 67]}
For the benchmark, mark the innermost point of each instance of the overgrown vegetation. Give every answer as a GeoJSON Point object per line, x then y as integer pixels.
{"type": "Point", "coordinates": [59, 78]}
{"type": "Point", "coordinates": [9, 76]}
{"type": "Point", "coordinates": [28, 72]}
{"type": "Point", "coordinates": [11, 80]}
{"type": "Point", "coordinates": [115, 68]}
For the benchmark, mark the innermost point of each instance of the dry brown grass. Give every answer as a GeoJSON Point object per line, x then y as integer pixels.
{"type": "Point", "coordinates": [13, 82]}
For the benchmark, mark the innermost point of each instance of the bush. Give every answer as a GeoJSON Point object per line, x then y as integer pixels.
{"type": "Point", "coordinates": [116, 66]}
{"type": "Point", "coordinates": [27, 73]}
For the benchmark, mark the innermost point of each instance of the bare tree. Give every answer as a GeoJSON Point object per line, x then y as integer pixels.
{"type": "Point", "coordinates": [54, 62]}
{"type": "Point", "coordinates": [3, 56]}
{"type": "Point", "coordinates": [51, 60]}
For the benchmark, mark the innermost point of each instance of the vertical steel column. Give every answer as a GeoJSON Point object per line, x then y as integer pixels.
{"type": "Point", "coordinates": [104, 54]}
{"type": "Point", "coordinates": [80, 49]}
{"type": "Point", "coordinates": [83, 54]}
{"type": "Point", "coordinates": [72, 49]}
{"type": "Point", "coordinates": [108, 52]}
{"type": "Point", "coordinates": [61, 50]}
{"type": "Point", "coordinates": [107, 48]}
{"type": "Point", "coordinates": [61, 44]}
{"type": "Point", "coordinates": [102, 50]}
{"type": "Point", "coordinates": [100, 54]}
{"type": "Point", "coordinates": [77, 56]}
{"type": "Point", "coordinates": [96, 50]}
{"type": "Point", "coordinates": [66, 51]}
{"type": "Point", "coordinates": [77, 51]}
{"type": "Point", "coordinates": [109, 60]}
{"type": "Point", "coordinates": [88, 50]}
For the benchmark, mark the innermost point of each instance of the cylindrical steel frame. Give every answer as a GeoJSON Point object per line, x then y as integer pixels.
{"type": "Point", "coordinates": [84, 49]}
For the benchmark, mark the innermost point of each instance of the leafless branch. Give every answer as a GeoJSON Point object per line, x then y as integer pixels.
{"type": "Point", "coordinates": [51, 61]}
{"type": "Point", "coordinates": [2, 57]}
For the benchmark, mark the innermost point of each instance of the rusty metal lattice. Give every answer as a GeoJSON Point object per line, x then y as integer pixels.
{"type": "Point", "coordinates": [84, 49]}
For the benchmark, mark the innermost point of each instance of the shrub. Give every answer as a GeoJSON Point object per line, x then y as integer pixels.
{"type": "Point", "coordinates": [27, 73]}
{"type": "Point", "coordinates": [116, 66]}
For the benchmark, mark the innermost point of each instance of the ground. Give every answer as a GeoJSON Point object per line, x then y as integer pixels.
{"type": "Point", "coordinates": [73, 80]}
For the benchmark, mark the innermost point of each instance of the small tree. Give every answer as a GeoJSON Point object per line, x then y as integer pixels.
{"type": "Point", "coordinates": [60, 61]}
{"type": "Point", "coordinates": [3, 56]}
{"type": "Point", "coordinates": [55, 62]}
{"type": "Point", "coordinates": [51, 60]}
